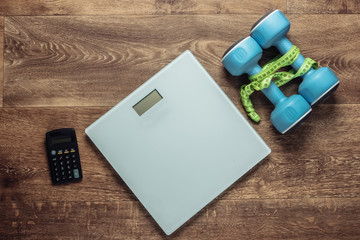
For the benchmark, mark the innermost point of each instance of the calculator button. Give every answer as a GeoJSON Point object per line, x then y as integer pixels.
{"type": "Point", "coordinates": [55, 164]}
{"type": "Point", "coordinates": [73, 156]}
{"type": "Point", "coordinates": [57, 179]}
{"type": "Point", "coordinates": [70, 177]}
{"type": "Point", "coordinates": [61, 163]}
{"type": "Point", "coordinates": [54, 159]}
{"type": "Point", "coordinates": [68, 167]}
{"type": "Point", "coordinates": [53, 152]}
{"type": "Point", "coordinates": [67, 157]}
{"type": "Point", "coordinates": [67, 162]}
{"type": "Point", "coordinates": [60, 152]}
{"type": "Point", "coordinates": [63, 173]}
{"type": "Point", "coordinates": [76, 173]}
{"type": "Point", "coordinates": [63, 178]}
{"type": "Point", "coordinates": [75, 166]}
{"type": "Point", "coordinates": [69, 172]}
{"type": "Point", "coordinates": [66, 151]}
{"type": "Point", "coordinates": [72, 150]}
{"type": "Point", "coordinates": [56, 169]}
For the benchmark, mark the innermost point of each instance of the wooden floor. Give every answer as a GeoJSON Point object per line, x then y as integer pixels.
{"type": "Point", "coordinates": [64, 63]}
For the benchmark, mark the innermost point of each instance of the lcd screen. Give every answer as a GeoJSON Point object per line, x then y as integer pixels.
{"type": "Point", "coordinates": [147, 102]}
{"type": "Point", "coordinates": [61, 140]}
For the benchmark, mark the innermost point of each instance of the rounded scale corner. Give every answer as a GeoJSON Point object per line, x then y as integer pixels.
{"type": "Point", "coordinates": [87, 130]}
{"type": "Point", "coordinates": [169, 230]}
{"type": "Point", "coordinates": [168, 233]}
{"type": "Point", "coordinates": [187, 52]}
{"type": "Point", "coordinates": [268, 151]}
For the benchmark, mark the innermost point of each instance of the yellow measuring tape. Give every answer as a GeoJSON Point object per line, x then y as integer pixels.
{"type": "Point", "coordinates": [268, 73]}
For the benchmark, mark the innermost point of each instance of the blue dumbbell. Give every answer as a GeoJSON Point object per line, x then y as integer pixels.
{"type": "Point", "coordinates": [271, 30]}
{"type": "Point", "coordinates": [242, 57]}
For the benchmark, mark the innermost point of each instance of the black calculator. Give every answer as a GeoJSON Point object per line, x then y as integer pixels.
{"type": "Point", "coordinates": [63, 156]}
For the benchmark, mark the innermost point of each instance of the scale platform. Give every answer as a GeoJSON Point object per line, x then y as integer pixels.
{"type": "Point", "coordinates": [177, 141]}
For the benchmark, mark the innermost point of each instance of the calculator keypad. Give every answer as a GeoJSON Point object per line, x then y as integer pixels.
{"type": "Point", "coordinates": [66, 165]}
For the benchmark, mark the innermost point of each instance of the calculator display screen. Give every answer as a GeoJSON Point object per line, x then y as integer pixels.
{"type": "Point", "coordinates": [61, 140]}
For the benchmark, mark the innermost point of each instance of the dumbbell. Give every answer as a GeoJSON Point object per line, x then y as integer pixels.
{"type": "Point", "coordinates": [242, 57]}
{"type": "Point", "coordinates": [271, 30]}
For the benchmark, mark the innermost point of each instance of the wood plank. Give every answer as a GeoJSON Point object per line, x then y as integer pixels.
{"type": "Point", "coordinates": [319, 159]}
{"type": "Point", "coordinates": [95, 60]}
{"type": "Point", "coordinates": [307, 188]}
{"type": "Point", "coordinates": [239, 219]}
{"type": "Point", "coordinates": [324, 6]}
{"type": "Point", "coordinates": [1, 59]}
{"type": "Point", "coordinates": [93, 7]}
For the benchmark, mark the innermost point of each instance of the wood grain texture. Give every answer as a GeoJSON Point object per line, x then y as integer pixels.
{"type": "Point", "coordinates": [1, 59]}
{"type": "Point", "coordinates": [93, 61]}
{"type": "Point", "coordinates": [307, 218]}
{"type": "Point", "coordinates": [108, 7]}
{"type": "Point", "coordinates": [323, 6]}
{"type": "Point", "coordinates": [316, 166]}
{"type": "Point", "coordinates": [66, 71]}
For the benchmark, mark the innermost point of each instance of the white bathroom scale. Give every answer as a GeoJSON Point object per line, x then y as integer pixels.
{"type": "Point", "coordinates": [177, 141]}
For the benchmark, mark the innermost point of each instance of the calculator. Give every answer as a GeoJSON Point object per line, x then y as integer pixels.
{"type": "Point", "coordinates": [63, 156]}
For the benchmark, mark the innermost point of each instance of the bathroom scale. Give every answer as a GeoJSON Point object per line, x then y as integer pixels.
{"type": "Point", "coordinates": [177, 141]}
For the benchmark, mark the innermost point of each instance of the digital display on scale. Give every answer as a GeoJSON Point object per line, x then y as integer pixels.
{"type": "Point", "coordinates": [147, 102]}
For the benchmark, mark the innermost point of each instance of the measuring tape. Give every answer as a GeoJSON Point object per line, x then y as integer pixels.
{"type": "Point", "coordinates": [263, 79]}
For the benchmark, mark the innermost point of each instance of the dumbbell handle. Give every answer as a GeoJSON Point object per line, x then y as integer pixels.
{"type": "Point", "coordinates": [284, 45]}
{"type": "Point", "coordinates": [273, 93]}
